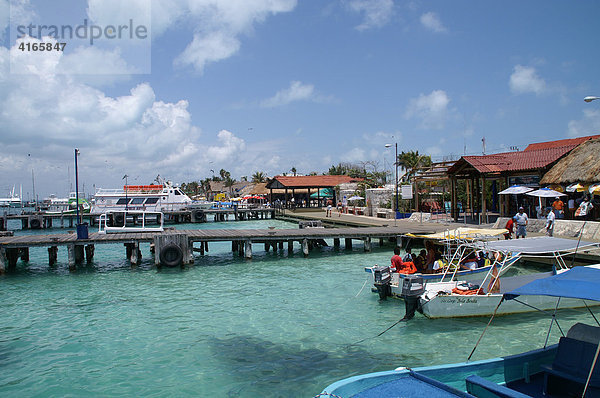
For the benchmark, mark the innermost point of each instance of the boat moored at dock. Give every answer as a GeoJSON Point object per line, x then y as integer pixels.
{"type": "Point", "coordinates": [157, 198]}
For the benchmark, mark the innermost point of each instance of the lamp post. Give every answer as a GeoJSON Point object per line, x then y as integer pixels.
{"type": "Point", "coordinates": [77, 187]}
{"type": "Point", "coordinates": [396, 174]}
{"type": "Point", "coordinates": [590, 98]}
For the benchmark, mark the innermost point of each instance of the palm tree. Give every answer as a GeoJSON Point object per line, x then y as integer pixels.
{"type": "Point", "coordinates": [293, 170]}
{"type": "Point", "coordinates": [412, 161]}
{"type": "Point", "coordinates": [258, 176]}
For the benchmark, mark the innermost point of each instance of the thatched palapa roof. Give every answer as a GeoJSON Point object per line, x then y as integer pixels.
{"type": "Point", "coordinates": [581, 165]}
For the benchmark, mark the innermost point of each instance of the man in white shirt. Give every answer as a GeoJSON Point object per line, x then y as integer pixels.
{"type": "Point", "coordinates": [550, 223]}
{"type": "Point", "coordinates": [522, 220]}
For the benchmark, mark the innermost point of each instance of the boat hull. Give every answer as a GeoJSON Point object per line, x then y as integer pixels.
{"type": "Point", "coordinates": [498, 370]}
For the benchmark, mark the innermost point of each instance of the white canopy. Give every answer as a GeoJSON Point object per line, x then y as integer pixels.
{"type": "Point", "coordinates": [515, 190]}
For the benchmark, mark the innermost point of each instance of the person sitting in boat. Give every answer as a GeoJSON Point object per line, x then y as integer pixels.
{"type": "Point", "coordinates": [469, 262]}
{"type": "Point", "coordinates": [402, 267]}
{"type": "Point", "coordinates": [409, 256]}
{"type": "Point", "coordinates": [438, 264]}
{"type": "Point", "coordinates": [430, 257]}
{"type": "Point", "coordinates": [481, 259]}
{"type": "Point", "coordinates": [420, 262]}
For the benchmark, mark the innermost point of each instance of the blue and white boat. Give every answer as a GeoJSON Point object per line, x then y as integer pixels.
{"type": "Point", "coordinates": [568, 368]}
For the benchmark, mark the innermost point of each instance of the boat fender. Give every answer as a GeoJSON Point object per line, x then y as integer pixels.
{"type": "Point", "coordinates": [34, 223]}
{"type": "Point", "coordinates": [171, 255]}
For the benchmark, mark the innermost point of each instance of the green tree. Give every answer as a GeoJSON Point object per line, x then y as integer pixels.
{"type": "Point", "coordinates": [258, 177]}
{"type": "Point", "coordinates": [412, 161]}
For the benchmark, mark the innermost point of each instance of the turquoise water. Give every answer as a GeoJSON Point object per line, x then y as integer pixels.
{"type": "Point", "coordinates": [273, 326]}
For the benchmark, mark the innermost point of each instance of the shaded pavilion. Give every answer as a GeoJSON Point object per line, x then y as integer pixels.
{"type": "Point", "coordinates": [582, 165]}
{"type": "Point", "coordinates": [525, 168]}
{"type": "Point", "coordinates": [304, 186]}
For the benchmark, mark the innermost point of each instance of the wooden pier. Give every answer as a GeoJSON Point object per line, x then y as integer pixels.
{"type": "Point", "coordinates": [45, 220]}
{"type": "Point", "coordinates": [176, 247]}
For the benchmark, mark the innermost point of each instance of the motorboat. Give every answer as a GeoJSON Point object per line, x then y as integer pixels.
{"type": "Point", "coordinates": [458, 244]}
{"type": "Point", "coordinates": [158, 197]}
{"type": "Point", "coordinates": [131, 221]}
{"type": "Point", "coordinates": [54, 205]}
{"type": "Point", "coordinates": [566, 369]}
{"type": "Point", "coordinates": [457, 298]}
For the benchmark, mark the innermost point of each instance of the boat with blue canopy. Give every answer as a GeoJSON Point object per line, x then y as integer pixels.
{"type": "Point", "coordinates": [455, 298]}
{"type": "Point", "coordinates": [566, 369]}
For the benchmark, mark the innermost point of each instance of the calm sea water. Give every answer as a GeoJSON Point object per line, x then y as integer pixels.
{"type": "Point", "coordinates": [273, 326]}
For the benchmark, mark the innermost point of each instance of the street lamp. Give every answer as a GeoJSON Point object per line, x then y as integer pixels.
{"type": "Point", "coordinates": [77, 187]}
{"type": "Point", "coordinates": [82, 231]}
{"type": "Point", "coordinates": [396, 174]}
{"type": "Point", "coordinates": [590, 98]}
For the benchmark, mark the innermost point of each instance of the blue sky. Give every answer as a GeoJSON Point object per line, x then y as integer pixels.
{"type": "Point", "coordinates": [267, 85]}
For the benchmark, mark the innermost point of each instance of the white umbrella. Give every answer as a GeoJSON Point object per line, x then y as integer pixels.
{"type": "Point", "coordinates": [545, 193]}
{"type": "Point", "coordinates": [353, 198]}
{"type": "Point", "coordinates": [515, 190]}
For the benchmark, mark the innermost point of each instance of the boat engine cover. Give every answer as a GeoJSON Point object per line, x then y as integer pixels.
{"type": "Point", "coordinates": [382, 275]}
{"type": "Point", "coordinates": [413, 286]}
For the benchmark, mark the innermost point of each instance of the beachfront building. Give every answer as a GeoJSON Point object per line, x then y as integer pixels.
{"type": "Point", "coordinates": [294, 191]}
{"type": "Point", "coordinates": [578, 174]}
{"type": "Point", "coordinates": [524, 168]}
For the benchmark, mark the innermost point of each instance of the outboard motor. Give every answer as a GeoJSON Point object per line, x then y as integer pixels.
{"type": "Point", "coordinates": [383, 278]}
{"type": "Point", "coordinates": [413, 287]}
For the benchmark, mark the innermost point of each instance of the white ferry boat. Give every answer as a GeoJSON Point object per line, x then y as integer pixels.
{"type": "Point", "coordinates": [157, 198]}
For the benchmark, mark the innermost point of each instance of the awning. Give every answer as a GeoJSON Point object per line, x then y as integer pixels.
{"type": "Point", "coordinates": [578, 282]}
{"type": "Point", "coordinates": [536, 245]}
{"type": "Point", "coordinates": [462, 233]}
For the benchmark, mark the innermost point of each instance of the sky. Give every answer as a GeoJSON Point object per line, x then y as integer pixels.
{"type": "Point", "coordinates": [271, 85]}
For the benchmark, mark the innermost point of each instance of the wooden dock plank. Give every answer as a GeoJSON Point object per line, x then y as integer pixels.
{"type": "Point", "coordinates": [207, 235]}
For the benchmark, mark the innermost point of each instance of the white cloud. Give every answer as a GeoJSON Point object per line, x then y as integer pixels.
{"type": "Point", "coordinates": [588, 125]}
{"type": "Point", "coordinates": [431, 21]}
{"type": "Point", "coordinates": [525, 80]}
{"type": "Point", "coordinates": [48, 114]}
{"type": "Point", "coordinates": [231, 146]}
{"type": "Point", "coordinates": [377, 13]}
{"type": "Point", "coordinates": [354, 155]}
{"type": "Point", "coordinates": [296, 92]}
{"type": "Point", "coordinates": [431, 109]}
{"type": "Point", "coordinates": [204, 49]}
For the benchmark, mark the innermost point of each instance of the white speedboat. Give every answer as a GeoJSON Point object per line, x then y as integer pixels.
{"type": "Point", "coordinates": [157, 198]}
{"type": "Point", "coordinates": [456, 298]}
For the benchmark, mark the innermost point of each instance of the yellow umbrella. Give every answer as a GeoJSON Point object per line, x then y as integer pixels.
{"type": "Point", "coordinates": [556, 187]}
{"type": "Point", "coordinates": [577, 187]}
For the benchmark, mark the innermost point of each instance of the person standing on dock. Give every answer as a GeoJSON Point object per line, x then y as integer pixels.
{"type": "Point", "coordinates": [550, 223]}
{"type": "Point", "coordinates": [522, 221]}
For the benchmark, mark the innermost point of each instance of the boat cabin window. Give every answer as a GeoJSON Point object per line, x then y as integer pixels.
{"type": "Point", "coordinates": [137, 201]}
{"type": "Point", "coordinates": [151, 201]}
{"type": "Point", "coordinates": [123, 201]}
{"type": "Point", "coordinates": [177, 192]}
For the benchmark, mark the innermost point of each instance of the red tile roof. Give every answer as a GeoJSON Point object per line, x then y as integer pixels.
{"type": "Point", "coordinates": [535, 156]}
{"type": "Point", "coordinates": [571, 142]}
{"type": "Point", "coordinates": [513, 161]}
{"type": "Point", "coordinates": [310, 181]}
